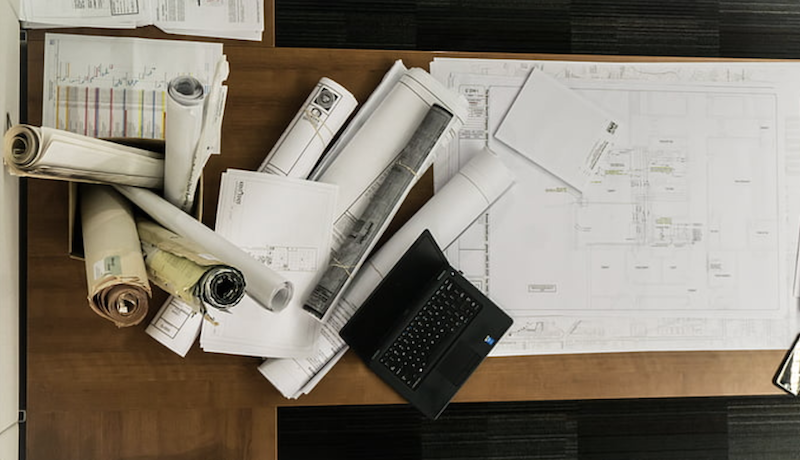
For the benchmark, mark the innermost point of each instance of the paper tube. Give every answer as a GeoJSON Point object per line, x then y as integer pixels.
{"type": "Point", "coordinates": [54, 154]}
{"type": "Point", "coordinates": [183, 269]}
{"type": "Point", "coordinates": [115, 271]}
{"type": "Point", "coordinates": [268, 288]}
{"type": "Point", "coordinates": [184, 110]}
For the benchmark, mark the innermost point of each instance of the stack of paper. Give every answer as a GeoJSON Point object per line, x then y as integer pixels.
{"type": "Point", "coordinates": [238, 19]}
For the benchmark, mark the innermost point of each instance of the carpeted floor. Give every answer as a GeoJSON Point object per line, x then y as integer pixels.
{"type": "Point", "coordinates": [765, 428]}
{"type": "Point", "coordinates": [705, 28]}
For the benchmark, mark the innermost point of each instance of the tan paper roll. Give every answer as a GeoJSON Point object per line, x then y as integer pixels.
{"type": "Point", "coordinates": [185, 270]}
{"type": "Point", "coordinates": [115, 270]}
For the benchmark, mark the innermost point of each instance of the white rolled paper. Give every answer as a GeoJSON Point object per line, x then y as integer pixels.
{"type": "Point", "coordinates": [314, 126]}
{"type": "Point", "coordinates": [185, 97]}
{"type": "Point", "coordinates": [268, 288]}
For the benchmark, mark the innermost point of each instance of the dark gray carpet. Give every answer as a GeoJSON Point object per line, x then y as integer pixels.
{"type": "Point", "coordinates": [657, 429]}
{"type": "Point", "coordinates": [704, 28]}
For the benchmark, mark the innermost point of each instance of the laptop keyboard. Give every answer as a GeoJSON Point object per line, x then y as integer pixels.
{"type": "Point", "coordinates": [429, 333]}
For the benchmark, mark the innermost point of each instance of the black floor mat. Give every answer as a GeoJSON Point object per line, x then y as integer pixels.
{"type": "Point", "coordinates": [669, 429]}
{"type": "Point", "coordinates": [703, 28]}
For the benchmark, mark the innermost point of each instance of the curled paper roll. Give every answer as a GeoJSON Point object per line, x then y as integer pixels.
{"type": "Point", "coordinates": [268, 288]}
{"type": "Point", "coordinates": [54, 154]}
{"type": "Point", "coordinates": [185, 97]}
{"type": "Point", "coordinates": [115, 270]}
{"type": "Point", "coordinates": [185, 270]}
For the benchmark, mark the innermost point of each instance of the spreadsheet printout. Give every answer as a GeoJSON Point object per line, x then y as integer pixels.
{"type": "Point", "coordinates": [114, 86]}
{"type": "Point", "coordinates": [685, 238]}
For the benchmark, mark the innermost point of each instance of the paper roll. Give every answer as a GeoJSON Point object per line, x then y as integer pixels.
{"type": "Point", "coordinates": [268, 288]}
{"type": "Point", "coordinates": [184, 111]}
{"type": "Point", "coordinates": [183, 269]}
{"type": "Point", "coordinates": [54, 154]}
{"type": "Point", "coordinates": [314, 126]}
{"type": "Point", "coordinates": [115, 270]}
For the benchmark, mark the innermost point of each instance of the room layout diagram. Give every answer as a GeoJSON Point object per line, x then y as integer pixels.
{"type": "Point", "coordinates": [681, 239]}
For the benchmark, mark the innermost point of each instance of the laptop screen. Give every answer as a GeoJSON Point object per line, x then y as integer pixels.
{"type": "Point", "coordinates": [399, 292]}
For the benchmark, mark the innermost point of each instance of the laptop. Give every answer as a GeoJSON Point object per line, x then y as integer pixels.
{"type": "Point", "coordinates": [425, 328]}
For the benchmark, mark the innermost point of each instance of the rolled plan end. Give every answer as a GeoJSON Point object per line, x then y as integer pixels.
{"type": "Point", "coordinates": [186, 90]}
{"type": "Point", "coordinates": [185, 269]}
{"type": "Point", "coordinates": [221, 287]}
{"type": "Point", "coordinates": [22, 146]}
{"type": "Point", "coordinates": [268, 288]}
{"type": "Point", "coordinates": [314, 126]}
{"type": "Point", "coordinates": [125, 305]}
{"type": "Point", "coordinates": [115, 271]}
{"type": "Point", "coordinates": [184, 111]}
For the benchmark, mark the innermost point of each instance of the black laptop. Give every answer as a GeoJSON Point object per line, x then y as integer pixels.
{"type": "Point", "coordinates": [425, 328]}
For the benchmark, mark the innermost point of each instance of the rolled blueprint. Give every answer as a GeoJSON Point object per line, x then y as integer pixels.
{"type": "Point", "coordinates": [54, 154]}
{"type": "Point", "coordinates": [319, 119]}
{"type": "Point", "coordinates": [115, 270]}
{"type": "Point", "coordinates": [269, 289]}
{"type": "Point", "coordinates": [184, 113]}
{"type": "Point", "coordinates": [185, 270]}
{"type": "Point", "coordinates": [447, 214]}
{"type": "Point", "coordinates": [371, 150]}
{"type": "Point", "coordinates": [348, 257]}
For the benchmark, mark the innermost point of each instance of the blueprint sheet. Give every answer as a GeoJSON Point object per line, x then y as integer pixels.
{"type": "Point", "coordinates": [686, 236]}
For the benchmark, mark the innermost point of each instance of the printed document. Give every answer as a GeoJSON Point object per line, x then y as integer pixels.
{"type": "Point", "coordinates": [237, 19]}
{"type": "Point", "coordinates": [685, 239]}
{"type": "Point", "coordinates": [114, 86]}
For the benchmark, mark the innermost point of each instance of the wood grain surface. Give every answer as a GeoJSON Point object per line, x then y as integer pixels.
{"type": "Point", "coordinates": [98, 392]}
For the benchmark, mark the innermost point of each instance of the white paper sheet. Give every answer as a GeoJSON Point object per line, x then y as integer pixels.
{"type": "Point", "coordinates": [238, 19]}
{"type": "Point", "coordinates": [176, 326]}
{"type": "Point", "coordinates": [116, 87]}
{"type": "Point", "coordinates": [558, 129]}
{"type": "Point", "coordinates": [446, 215]}
{"type": "Point", "coordinates": [286, 224]}
{"type": "Point", "coordinates": [682, 242]}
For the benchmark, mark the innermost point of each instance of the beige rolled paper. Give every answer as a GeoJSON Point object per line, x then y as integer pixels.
{"type": "Point", "coordinates": [271, 290]}
{"type": "Point", "coordinates": [55, 154]}
{"type": "Point", "coordinates": [115, 271]}
{"type": "Point", "coordinates": [185, 270]}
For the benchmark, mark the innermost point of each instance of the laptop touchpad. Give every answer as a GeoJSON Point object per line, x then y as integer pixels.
{"type": "Point", "coordinates": [459, 364]}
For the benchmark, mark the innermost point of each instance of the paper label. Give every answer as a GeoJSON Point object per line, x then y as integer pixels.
{"type": "Point", "coordinates": [111, 265]}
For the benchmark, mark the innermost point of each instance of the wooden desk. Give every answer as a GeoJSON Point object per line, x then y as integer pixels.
{"type": "Point", "coordinates": [95, 391]}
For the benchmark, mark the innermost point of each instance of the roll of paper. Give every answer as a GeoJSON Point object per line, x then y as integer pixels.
{"type": "Point", "coordinates": [268, 288]}
{"type": "Point", "coordinates": [115, 270]}
{"type": "Point", "coordinates": [184, 111]}
{"type": "Point", "coordinates": [183, 269]}
{"type": "Point", "coordinates": [348, 257]}
{"type": "Point", "coordinates": [319, 119]}
{"type": "Point", "coordinates": [54, 154]}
